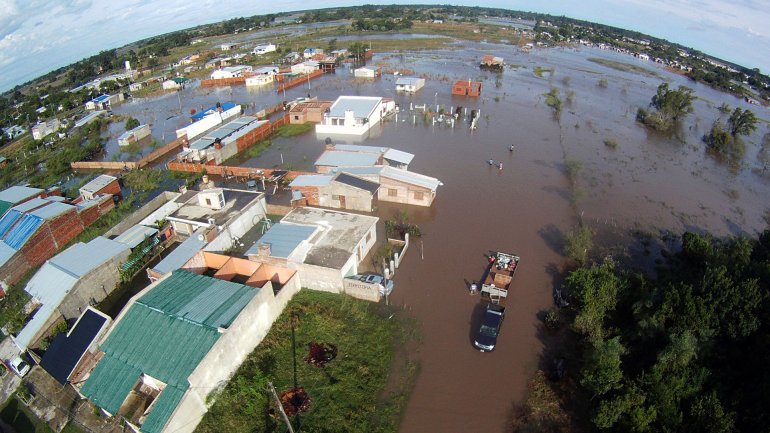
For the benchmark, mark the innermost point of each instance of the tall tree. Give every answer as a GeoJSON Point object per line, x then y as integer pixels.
{"type": "Point", "coordinates": [742, 122]}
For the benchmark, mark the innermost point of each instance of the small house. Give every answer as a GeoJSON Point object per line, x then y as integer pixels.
{"type": "Point", "coordinates": [310, 52]}
{"type": "Point", "coordinates": [354, 115]}
{"type": "Point", "coordinates": [41, 130]}
{"type": "Point", "coordinates": [365, 72]}
{"type": "Point", "coordinates": [130, 137]}
{"type": "Point", "coordinates": [102, 184]}
{"type": "Point", "coordinates": [104, 102]}
{"type": "Point", "coordinates": [409, 84]}
{"type": "Point", "coordinates": [263, 49]}
{"type": "Point", "coordinates": [467, 88]}
{"type": "Point", "coordinates": [492, 62]}
{"type": "Point", "coordinates": [231, 72]}
{"type": "Point", "coordinates": [312, 111]}
{"type": "Point", "coordinates": [228, 46]}
{"type": "Point", "coordinates": [307, 67]}
{"type": "Point", "coordinates": [262, 76]}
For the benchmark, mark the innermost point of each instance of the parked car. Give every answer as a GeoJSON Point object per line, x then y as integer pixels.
{"type": "Point", "coordinates": [486, 337]}
{"type": "Point", "coordinates": [20, 366]}
{"type": "Point", "coordinates": [385, 289]}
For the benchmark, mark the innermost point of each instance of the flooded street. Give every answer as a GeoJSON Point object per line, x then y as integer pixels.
{"type": "Point", "coordinates": [647, 182]}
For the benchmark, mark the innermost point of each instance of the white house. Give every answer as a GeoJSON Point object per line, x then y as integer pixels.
{"type": "Point", "coordinates": [353, 115]}
{"type": "Point", "coordinates": [307, 67]}
{"type": "Point", "coordinates": [366, 72]}
{"type": "Point", "coordinates": [409, 84]}
{"type": "Point", "coordinates": [228, 46]}
{"type": "Point", "coordinates": [231, 72]}
{"type": "Point", "coordinates": [262, 76]}
{"type": "Point", "coordinates": [104, 102]}
{"type": "Point", "coordinates": [263, 49]}
{"type": "Point", "coordinates": [42, 129]}
{"type": "Point", "coordinates": [130, 137]}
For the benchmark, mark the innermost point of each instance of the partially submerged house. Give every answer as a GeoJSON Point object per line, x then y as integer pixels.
{"type": "Point", "coordinates": [409, 84]}
{"type": "Point", "coordinates": [491, 62]}
{"type": "Point", "coordinates": [179, 339]}
{"type": "Point", "coordinates": [312, 111]}
{"type": "Point", "coordinates": [104, 102]}
{"type": "Point", "coordinates": [353, 155]}
{"type": "Point", "coordinates": [218, 145]}
{"type": "Point", "coordinates": [132, 136]}
{"type": "Point", "coordinates": [262, 76]}
{"type": "Point", "coordinates": [68, 283]}
{"type": "Point", "coordinates": [323, 246]}
{"type": "Point", "coordinates": [231, 72]}
{"type": "Point", "coordinates": [100, 185]}
{"type": "Point", "coordinates": [43, 129]}
{"type": "Point", "coordinates": [466, 88]}
{"type": "Point", "coordinates": [354, 115]}
{"type": "Point", "coordinates": [208, 118]}
{"type": "Point", "coordinates": [366, 72]}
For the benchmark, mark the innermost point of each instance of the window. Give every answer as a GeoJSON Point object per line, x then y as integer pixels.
{"type": "Point", "coordinates": [208, 202]}
{"type": "Point", "coordinates": [296, 117]}
{"type": "Point", "coordinates": [368, 237]}
{"type": "Point", "coordinates": [392, 192]}
{"type": "Point", "coordinates": [335, 197]}
{"type": "Point", "coordinates": [418, 195]}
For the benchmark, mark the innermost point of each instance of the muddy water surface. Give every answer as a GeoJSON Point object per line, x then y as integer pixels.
{"type": "Point", "coordinates": [648, 182]}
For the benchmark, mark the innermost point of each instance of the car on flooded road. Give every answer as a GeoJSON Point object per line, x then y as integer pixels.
{"type": "Point", "coordinates": [486, 337]}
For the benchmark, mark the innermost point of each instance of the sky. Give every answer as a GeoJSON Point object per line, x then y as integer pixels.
{"type": "Point", "coordinates": [38, 36]}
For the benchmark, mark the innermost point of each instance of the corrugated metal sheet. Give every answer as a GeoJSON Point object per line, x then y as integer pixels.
{"type": "Point", "coordinates": [135, 235]}
{"type": "Point", "coordinates": [360, 148]}
{"type": "Point", "coordinates": [243, 131]}
{"type": "Point", "coordinates": [336, 158]}
{"type": "Point", "coordinates": [22, 231]}
{"type": "Point", "coordinates": [162, 344]}
{"type": "Point", "coordinates": [409, 177]}
{"type": "Point", "coordinates": [52, 210]}
{"type": "Point", "coordinates": [81, 258]}
{"type": "Point", "coordinates": [311, 180]}
{"type": "Point", "coordinates": [357, 182]}
{"type": "Point", "coordinates": [50, 283]}
{"type": "Point", "coordinates": [100, 181]}
{"type": "Point", "coordinates": [200, 299]}
{"type": "Point", "coordinates": [8, 220]}
{"type": "Point", "coordinates": [362, 106]}
{"type": "Point", "coordinates": [35, 325]}
{"type": "Point", "coordinates": [16, 194]}
{"type": "Point", "coordinates": [31, 204]}
{"type": "Point", "coordinates": [110, 382]}
{"type": "Point", "coordinates": [181, 255]}
{"type": "Point", "coordinates": [398, 156]}
{"type": "Point", "coordinates": [163, 409]}
{"type": "Point", "coordinates": [283, 239]}
{"type": "Point", "coordinates": [201, 143]}
{"type": "Point", "coordinates": [6, 253]}
{"type": "Point", "coordinates": [4, 206]}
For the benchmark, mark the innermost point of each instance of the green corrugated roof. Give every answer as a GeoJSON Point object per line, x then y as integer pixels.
{"type": "Point", "coordinates": [4, 206]}
{"type": "Point", "coordinates": [198, 298]}
{"type": "Point", "coordinates": [165, 334]}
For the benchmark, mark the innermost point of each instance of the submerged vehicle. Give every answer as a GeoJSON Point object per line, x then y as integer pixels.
{"type": "Point", "coordinates": [486, 337]}
{"type": "Point", "coordinates": [385, 286]}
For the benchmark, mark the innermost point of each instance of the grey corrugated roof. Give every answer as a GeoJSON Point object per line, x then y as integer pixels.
{"type": "Point", "coordinates": [135, 235]}
{"type": "Point", "coordinates": [99, 182]}
{"type": "Point", "coordinates": [181, 254]}
{"type": "Point", "coordinates": [52, 210]}
{"type": "Point", "coordinates": [16, 194]}
{"type": "Point", "coordinates": [31, 204]}
{"type": "Point", "coordinates": [6, 253]}
{"type": "Point", "coordinates": [201, 143]}
{"type": "Point", "coordinates": [409, 177]}
{"type": "Point", "coordinates": [81, 258]}
{"type": "Point", "coordinates": [408, 81]}
{"type": "Point", "coordinates": [361, 171]}
{"type": "Point", "coordinates": [283, 239]}
{"type": "Point", "coordinates": [362, 106]}
{"type": "Point", "coordinates": [398, 156]}
{"type": "Point", "coordinates": [338, 158]}
{"type": "Point", "coordinates": [311, 180]}
{"type": "Point", "coordinates": [357, 182]}
{"type": "Point", "coordinates": [360, 148]}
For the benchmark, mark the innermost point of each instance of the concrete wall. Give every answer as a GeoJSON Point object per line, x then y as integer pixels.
{"type": "Point", "coordinates": [354, 198]}
{"type": "Point", "coordinates": [142, 213]}
{"type": "Point", "coordinates": [238, 227]}
{"type": "Point", "coordinates": [187, 415]}
{"type": "Point", "coordinates": [362, 290]}
{"type": "Point", "coordinates": [93, 287]}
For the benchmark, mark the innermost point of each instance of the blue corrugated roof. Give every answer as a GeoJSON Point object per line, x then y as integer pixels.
{"type": "Point", "coordinates": [283, 239]}
{"type": "Point", "coordinates": [22, 231]}
{"type": "Point", "coordinates": [201, 114]}
{"type": "Point", "coordinates": [336, 158]}
{"type": "Point", "coordinates": [101, 98]}
{"type": "Point", "coordinates": [8, 220]}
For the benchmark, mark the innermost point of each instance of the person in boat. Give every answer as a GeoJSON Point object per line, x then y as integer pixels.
{"type": "Point", "coordinates": [511, 148]}
{"type": "Point", "coordinates": [491, 162]}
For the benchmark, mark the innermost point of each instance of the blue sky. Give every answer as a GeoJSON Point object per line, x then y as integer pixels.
{"type": "Point", "coordinates": [37, 36]}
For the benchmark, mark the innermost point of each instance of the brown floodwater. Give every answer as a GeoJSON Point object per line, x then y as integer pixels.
{"type": "Point", "coordinates": [649, 182]}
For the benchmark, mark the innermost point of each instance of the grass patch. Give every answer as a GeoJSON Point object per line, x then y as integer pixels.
{"type": "Point", "coordinates": [542, 72]}
{"type": "Point", "coordinates": [553, 100]}
{"type": "Point", "coordinates": [625, 67]}
{"type": "Point", "coordinates": [293, 130]}
{"type": "Point", "coordinates": [346, 394]}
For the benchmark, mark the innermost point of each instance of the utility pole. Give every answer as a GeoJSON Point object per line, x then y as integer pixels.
{"type": "Point", "coordinates": [280, 407]}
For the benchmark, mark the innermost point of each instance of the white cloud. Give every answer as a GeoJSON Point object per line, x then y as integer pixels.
{"type": "Point", "coordinates": [37, 36]}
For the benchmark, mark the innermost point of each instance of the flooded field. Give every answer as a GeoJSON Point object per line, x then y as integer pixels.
{"type": "Point", "coordinates": [645, 182]}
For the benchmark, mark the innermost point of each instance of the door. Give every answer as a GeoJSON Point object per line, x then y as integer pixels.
{"type": "Point", "coordinates": [342, 202]}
